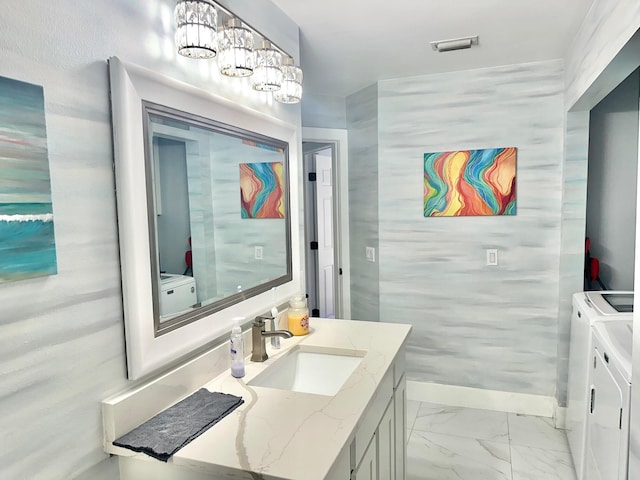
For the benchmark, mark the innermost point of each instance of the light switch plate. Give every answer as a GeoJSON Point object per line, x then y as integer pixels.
{"type": "Point", "coordinates": [370, 253]}
{"type": "Point", "coordinates": [258, 251]}
{"type": "Point", "coordinates": [492, 257]}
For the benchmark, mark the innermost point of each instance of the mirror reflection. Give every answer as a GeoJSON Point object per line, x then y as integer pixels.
{"type": "Point", "coordinates": [219, 221]}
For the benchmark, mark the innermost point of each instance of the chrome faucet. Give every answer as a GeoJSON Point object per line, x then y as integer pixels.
{"type": "Point", "coordinates": [258, 335]}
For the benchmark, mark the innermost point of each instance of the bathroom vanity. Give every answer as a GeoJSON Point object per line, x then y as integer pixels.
{"type": "Point", "coordinates": [355, 428]}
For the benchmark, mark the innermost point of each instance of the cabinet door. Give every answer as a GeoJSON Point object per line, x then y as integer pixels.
{"type": "Point", "coordinates": [386, 444]}
{"type": "Point", "coordinates": [400, 427]}
{"type": "Point", "coordinates": [368, 468]}
{"type": "Point", "coordinates": [604, 432]}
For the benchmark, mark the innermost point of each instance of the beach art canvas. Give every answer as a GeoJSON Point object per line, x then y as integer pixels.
{"type": "Point", "coordinates": [27, 242]}
{"type": "Point", "coordinates": [470, 182]}
{"type": "Point", "coordinates": [262, 190]}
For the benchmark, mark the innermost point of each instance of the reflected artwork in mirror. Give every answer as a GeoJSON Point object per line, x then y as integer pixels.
{"type": "Point", "coordinates": [206, 252]}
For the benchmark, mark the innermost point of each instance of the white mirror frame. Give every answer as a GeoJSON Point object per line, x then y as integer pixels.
{"type": "Point", "coordinates": [130, 85]}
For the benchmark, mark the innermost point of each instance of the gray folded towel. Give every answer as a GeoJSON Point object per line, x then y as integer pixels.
{"type": "Point", "coordinates": [170, 430]}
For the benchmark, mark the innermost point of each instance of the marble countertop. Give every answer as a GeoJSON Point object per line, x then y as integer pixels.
{"type": "Point", "coordinates": [292, 435]}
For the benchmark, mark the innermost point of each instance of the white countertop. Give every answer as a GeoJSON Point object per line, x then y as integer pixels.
{"type": "Point", "coordinates": [292, 435]}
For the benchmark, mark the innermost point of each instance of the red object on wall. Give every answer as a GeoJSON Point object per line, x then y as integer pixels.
{"type": "Point", "coordinates": [188, 259]}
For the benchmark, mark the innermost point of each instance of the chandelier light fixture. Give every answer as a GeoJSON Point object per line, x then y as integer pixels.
{"type": "Point", "coordinates": [291, 89]}
{"type": "Point", "coordinates": [235, 56]}
{"type": "Point", "coordinates": [196, 28]}
{"type": "Point", "coordinates": [198, 36]}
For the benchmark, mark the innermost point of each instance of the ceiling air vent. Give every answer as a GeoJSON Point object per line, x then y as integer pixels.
{"type": "Point", "coordinates": [454, 44]}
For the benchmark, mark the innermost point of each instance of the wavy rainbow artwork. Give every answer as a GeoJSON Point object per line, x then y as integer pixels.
{"type": "Point", "coordinates": [261, 190]}
{"type": "Point", "coordinates": [470, 182]}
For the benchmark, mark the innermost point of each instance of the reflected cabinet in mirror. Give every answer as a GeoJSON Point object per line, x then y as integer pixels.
{"type": "Point", "coordinates": [205, 214]}
{"type": "Point", "coordinates": [218, 214]}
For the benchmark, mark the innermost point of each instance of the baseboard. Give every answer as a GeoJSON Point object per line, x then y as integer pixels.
{"type": "Point", "coordinates": [561, 417]}
{"type": "Point", "coordinates": [522, 403]}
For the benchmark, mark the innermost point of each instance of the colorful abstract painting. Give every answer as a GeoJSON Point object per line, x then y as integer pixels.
{"type": "Point", "coordinates": [27, 242]}
{"type": "Point", "coordinates": [470, 182]}
{"type": "Point", "coordinates": [262, 190]}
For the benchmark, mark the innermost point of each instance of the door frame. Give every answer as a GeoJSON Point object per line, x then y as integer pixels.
{"type": "Point", "coordinates": [338, 140]}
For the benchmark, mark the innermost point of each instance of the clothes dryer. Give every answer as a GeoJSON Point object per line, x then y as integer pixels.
{"type": "Point", "coordinates": [607, 452]}
{"type": "Point", "coordinates": [588, 308]}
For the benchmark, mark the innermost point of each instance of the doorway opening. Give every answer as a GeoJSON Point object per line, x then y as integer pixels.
{"type": "Point", "coordinates": [326, 198]}
{"type": "Point", "coordinates": [322, 270]}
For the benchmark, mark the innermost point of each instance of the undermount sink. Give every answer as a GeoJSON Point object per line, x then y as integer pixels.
{"type": "Point", "coordinates": [320, 371]}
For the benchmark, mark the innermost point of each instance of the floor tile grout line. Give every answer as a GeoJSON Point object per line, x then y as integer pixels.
{"type": "Point", "coordinates": [415, 419]}
{"type": "Point", "coordinates": [448, 434]}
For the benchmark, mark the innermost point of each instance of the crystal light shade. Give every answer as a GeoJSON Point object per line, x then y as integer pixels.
{"type": "Point", "coordinates": [291, 89]}
{"type": "Point", "coordinates": [235, 44]}
{"type": "Point", "coordinates": [267, 76]}
{"type": "Point", "coordinates": [196, 28]}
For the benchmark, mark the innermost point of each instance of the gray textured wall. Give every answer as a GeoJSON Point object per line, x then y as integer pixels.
{"type": "Point", "coordinates": [61, 337]}
{"type": "Point", "coordinates": [362, 123]}
{"type": "Point", "coordinates": [574, 201]}
{"type": "Point", "coordinates": [324, 111]}
{"type": "Point", "coordinates": [476, 326]}
{"type": "Point", "coordinates": [594, 67]}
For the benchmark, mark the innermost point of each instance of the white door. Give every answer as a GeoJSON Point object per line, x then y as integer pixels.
{"type": "Point", "coordinates": [324, 216]}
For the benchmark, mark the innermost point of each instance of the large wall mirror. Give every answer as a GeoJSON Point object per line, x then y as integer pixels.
{"type": "Point", "coordinates": [218, 214]}
{"type": "Point", "coordinates": [205, 214]}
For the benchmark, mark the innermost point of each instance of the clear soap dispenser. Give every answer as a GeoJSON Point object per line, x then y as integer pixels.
{"type": "Point", "coordinates": [237, 349]}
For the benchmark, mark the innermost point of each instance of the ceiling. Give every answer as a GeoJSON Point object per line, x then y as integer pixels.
{"type": "Point", "coordinates": [346, 45]}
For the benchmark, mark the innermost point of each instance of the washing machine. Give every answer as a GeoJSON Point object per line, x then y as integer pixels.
{"type": "Point", "coordinates": [177, 293]}
{"type": "Point", "coordinates": [607, 452]}
{"type": "Point", "coordinates": [589, 308]}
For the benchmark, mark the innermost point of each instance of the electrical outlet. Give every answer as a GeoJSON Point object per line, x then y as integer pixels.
{"type": "Point", "coordinates": [492, 257]}
{"type": "Point", "coordinates": [370, 253]}
{"type": "Point", "coordinates": [258, 250]}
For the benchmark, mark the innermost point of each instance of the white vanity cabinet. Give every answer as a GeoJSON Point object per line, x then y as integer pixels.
{"type": "Point", "coordinates": [359, 433]}
{"type": "Point", "coordinates": [400, 428]}
{"type": "Point", "coordinates": [368, 468]}
{"type": "Point", "coordinates": [383, 453]}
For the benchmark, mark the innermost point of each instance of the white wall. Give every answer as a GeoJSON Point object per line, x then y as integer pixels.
{"type": "Point", "coordinates": [475, 326]}
{"type": "Point", "coordinates": [61, 337]}
{"type": "Point", "coordinates": [613, 171]}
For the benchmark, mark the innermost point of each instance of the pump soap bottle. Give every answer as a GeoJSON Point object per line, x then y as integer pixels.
{"type": "Point", "coordinates": [237, 349]}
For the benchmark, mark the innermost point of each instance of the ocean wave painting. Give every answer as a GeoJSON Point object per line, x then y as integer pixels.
{"type": "Point", "coordinates": [470, 182]}
{"type": "Point", "coordinates": [262, 190]}
{"type": "Point", "coordinates": [27, 240]}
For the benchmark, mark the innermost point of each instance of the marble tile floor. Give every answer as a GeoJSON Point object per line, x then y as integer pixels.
{"type": "Point", "coordinates": [454, 443]}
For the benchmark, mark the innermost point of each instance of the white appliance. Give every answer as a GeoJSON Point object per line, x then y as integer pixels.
{"type": "Point", "coordinates": [589, 308]}
{"type": "Point", "coordinates": [607, 451]}
{"type": "Point", "coordinates": [177, 293]}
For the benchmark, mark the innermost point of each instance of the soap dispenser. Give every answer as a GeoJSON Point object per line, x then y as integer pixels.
{"type": "Point", "coordinates": [237, 349]}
